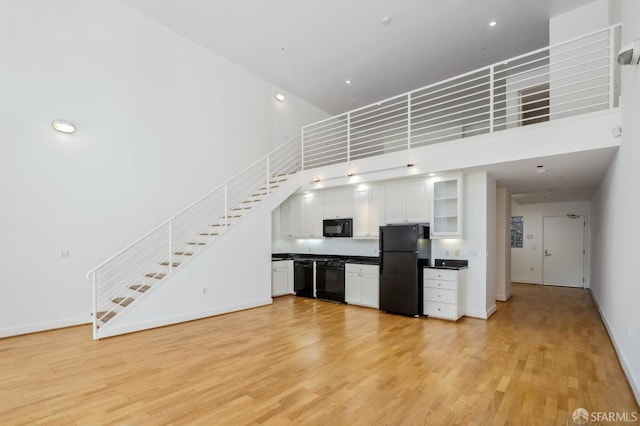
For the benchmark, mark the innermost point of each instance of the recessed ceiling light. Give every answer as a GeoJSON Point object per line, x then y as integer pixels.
{"type": "Point", "coordinates": [316, 180]}
{"type": "Point", "coordinates": [280, 97]}
{"type": "Point", "coordinates": [386, 20]}
{"type": "Point", "coordinates": [63, 126]}
{"type": "Point", "coordinates": [350, 174]}
{"type": "Point", "coordinates": [432, 174]}
{"type": "Point", "coordinates": [493, 23]}
{"type": "Point", "coordinates": [348, 81]}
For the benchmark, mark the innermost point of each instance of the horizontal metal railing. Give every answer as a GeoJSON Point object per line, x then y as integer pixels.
{"type": "Point", "coordinates": [172, 243]}
{"type": "Point", "coordinates": [574, 77]}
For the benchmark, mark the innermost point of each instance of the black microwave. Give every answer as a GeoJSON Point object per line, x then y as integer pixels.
{"type": "Point", "coordinates": [337, 228]}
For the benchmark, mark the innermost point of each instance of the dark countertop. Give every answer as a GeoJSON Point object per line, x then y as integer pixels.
{"type": "Point", "coordinates": [452, 264]}
{"type": "Point", "coordinates": [363, 260]}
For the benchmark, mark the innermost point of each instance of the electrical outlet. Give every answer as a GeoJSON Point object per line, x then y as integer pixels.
{"type": "Point", "coordinates": [472, 253]}
{"type": "Point", "coordinates": [64, 254]}
{"type": "Point", "coordinates": [456, 252]}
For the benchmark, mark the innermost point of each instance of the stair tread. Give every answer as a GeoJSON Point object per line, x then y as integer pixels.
{"type": "Point", "coordinates": [123, 301]}
{"type": "Point", "coordinates": [105, 316]}
{"type": "Point", "coordinates": [140, 287]}
{"type": "Point", "coordinates": [174, 264]}
{"type": "Point", "coordinates": [156, 275]}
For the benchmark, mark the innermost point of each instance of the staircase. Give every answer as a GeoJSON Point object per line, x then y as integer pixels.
{"type": "Point", "coordinates": [125, 278]}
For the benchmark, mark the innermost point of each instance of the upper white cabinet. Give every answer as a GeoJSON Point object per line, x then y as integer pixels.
{"type": "Point", "coordinates": [301, 216]}
{"type": "Point", "coordinates": [312, 206]}
{"type": "Point", "coordinates": [291, 217]}
{"type": "Point", "coordinates": [446, 206]}
{"type": "Point", "coordinates": [338, 203]}
{"type": "Point", "coordinates": [368, 212]}
{"type": "Point", "coordinates": [406, 202]}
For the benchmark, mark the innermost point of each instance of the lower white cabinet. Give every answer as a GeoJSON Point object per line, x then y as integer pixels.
{"type": "Point", "coordinates": [445, 293]}
{"type": "Point", "coordinates": [281, 277]}
{"type": "Point", "coordinates": [362, 285]}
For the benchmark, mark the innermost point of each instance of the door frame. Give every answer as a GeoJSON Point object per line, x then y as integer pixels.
{"type": "Point", "coordinates": [585, 249]}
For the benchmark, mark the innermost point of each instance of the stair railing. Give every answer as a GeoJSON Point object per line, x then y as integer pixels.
{"type": "Point", "coordinates": [135, 268]}
{"type": "Point", "coordinates": [574, 77]}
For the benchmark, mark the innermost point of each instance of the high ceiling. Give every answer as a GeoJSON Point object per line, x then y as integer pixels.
{"type": "Point", "coordinates": [310, 48]}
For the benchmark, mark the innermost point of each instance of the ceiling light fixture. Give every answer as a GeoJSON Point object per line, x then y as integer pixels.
{"type": "Point", "coordinates": [432, 174]}
{"type": "Point", "coordinates": [63, 126]}
{"type": "Point", "coordinates": [493, 23]}
{"type": "Point", "coordinates": [386, 20]}
{"type": "Point", "coordinates": [350, 174]}
{"type": "Point", "coordinates": [348, 81]}
{"type": "Point", "coordinates": [316, 180]}
{"type": "Point", "coordinates": [410, 164]}
{"type": "Point", "coordinates": [280, 97]}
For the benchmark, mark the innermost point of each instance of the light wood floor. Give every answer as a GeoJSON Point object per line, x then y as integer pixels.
{"type": "Point", "coordinates": [542, 355]}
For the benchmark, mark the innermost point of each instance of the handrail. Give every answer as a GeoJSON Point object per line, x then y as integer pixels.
{"type": "Point", "coordinates": [493, 91]}
{"type": "Point", "coordinates": [166, 222]}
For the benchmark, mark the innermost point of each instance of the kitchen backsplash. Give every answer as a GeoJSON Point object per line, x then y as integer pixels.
{"type": "Point", "coordinates": [337, 246]}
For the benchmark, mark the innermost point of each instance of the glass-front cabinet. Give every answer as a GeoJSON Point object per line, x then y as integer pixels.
{"type": "Point", "coordinates": [446, 206]}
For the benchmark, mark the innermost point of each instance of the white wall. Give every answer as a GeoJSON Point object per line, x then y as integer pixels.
{"type": "Point", "coordinates": [526, 262]}
{"type": "Point", "coordinates": [160, 122]}
{"type": "Point", "coordinates": [503, 244]}
{"type": "Point", "coordinates": [615, 230]}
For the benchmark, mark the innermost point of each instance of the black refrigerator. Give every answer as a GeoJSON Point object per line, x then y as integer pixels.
{"type": "Point", "coordinates": [404, 251]}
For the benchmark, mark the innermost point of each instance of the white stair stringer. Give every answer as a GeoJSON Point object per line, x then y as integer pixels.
{"type": "Point", "coordinates": [233, 268]}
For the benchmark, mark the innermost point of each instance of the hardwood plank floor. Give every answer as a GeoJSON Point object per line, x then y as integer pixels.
{"type": "Point", "coordinates": [542, 355]}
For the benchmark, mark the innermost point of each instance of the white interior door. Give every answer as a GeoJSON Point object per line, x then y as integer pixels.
{"type": "Point", "coordinates": [563, 251]}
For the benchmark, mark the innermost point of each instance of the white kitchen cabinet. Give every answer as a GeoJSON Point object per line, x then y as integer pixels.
{"type": "Point", "coordinates": [338, 203]}
{"type": "Point", "coordinates": [281, 277]}
{"type": "Point", "coordinates": [446, 206]}
{"type": "Point", "coordinates": [406, 202]}
{"type": "Point", "coordinates": [362, 285]}
{"type": "Point", "coordinates": [291, 216]}
{"type": "Point", "coordinates": [301, 216]}
{"type": "Point", "coordinates": [312, 205]}
{"type": "Point", "coordinates": [445, 293]}
{"type": "Point", "coordinates": [368, 212]}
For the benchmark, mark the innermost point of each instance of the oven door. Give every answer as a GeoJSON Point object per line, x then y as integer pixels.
{"type": "Point", "coordinates": [330, 282]}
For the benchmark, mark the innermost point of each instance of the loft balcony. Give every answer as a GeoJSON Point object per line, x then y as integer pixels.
{"type": "Point", "coordinates": [576, 78]}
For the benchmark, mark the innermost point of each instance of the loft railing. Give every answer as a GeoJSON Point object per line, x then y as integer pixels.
{"type": "Point", "coordinates": [574, 77]}
{"type": "Point", "coordinates": [134, 269]}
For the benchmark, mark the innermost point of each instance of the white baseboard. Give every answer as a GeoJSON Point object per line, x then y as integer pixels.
{"type": "Point", "coordinates": [481, 314]}
{"type": "Point", "coordinates": [634, 386]}
{"type": "Point", "coordinates": [44, 326]}
{"type": "Point", "coordinates": [517, 281]}
{"type": "Point", "coordinates": [161, 322]}
{"type": "Point", "coordinates": [504, 297]}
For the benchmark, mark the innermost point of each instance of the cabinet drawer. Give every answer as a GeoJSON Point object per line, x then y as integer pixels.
{"type": "Point", "coordinates": [447, 285]}
{"type": "Point", "coordinates": [440, 310]}
{"type": "Point", "coordinates": [437, 295]}
{"type": "Point", "coordinates": [362, 269]}
{"type": "Point", "coordinates": [441, 274]}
